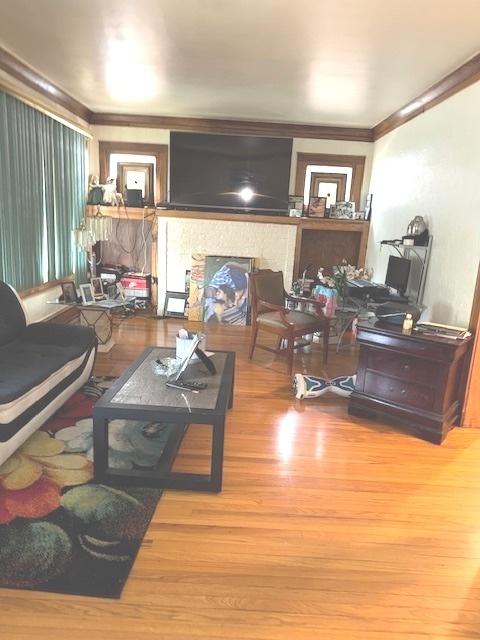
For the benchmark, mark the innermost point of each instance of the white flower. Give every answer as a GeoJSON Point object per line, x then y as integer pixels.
{"type": "Point", "coordinates": [343, 272]}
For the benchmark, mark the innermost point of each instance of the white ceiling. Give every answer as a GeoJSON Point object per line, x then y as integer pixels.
{"type": "Point", "coordinates": [344, 62]}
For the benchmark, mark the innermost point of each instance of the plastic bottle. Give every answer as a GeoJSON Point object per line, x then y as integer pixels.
{"type": "Point", "coordinates": [407, 323]}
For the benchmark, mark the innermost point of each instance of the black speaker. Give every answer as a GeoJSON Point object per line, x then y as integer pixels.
{"type": "Point", "coordinates": [395, 312]}
{"type": "Point", "coordinates": [134, 198]}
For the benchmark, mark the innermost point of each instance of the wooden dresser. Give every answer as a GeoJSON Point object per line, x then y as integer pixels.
{"type": "Point", "coordinates": [412, 378]}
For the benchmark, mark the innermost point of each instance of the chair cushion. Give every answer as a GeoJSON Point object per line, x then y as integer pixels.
{"type": "Point", "coordinates": [39, 351]}
{"type": "Point", "coordinates": [299, 318]}
{"type": "Point", "coordinates": [12, 317]}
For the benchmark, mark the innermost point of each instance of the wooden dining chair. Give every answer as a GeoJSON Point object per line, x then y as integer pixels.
{"type": "Point", "coordinates": [269, 314]}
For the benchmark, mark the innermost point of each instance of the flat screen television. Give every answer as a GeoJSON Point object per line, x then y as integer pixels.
{"type": "Point", "coordinates": [229, 173]}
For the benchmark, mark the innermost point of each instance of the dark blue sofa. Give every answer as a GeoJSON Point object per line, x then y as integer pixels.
{"type": "Point", "coordinates": [41, 366]}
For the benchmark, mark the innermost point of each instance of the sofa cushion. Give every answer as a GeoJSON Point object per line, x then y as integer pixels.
{"type": "Point", "coordinates": [12, 317]}
{"type": "Point", "coordinates": [33, 407]}
{"type": "Point", "coordinates": [38, 352]}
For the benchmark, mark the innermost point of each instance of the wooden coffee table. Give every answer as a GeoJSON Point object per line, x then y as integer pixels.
{"type": "Point", "coordinates": [139, 394]}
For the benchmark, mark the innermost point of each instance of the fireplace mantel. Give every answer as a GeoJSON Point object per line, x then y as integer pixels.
{"type": "Point", "coordinates": [276, 242]}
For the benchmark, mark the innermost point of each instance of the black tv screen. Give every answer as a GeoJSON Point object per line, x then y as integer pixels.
{"type": "Point", "coordinates": [398, 272]}
{"type": "Point", "coordinates": [227, 172]}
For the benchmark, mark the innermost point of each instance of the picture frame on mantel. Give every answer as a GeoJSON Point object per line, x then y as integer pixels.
{"type": "Point", "coordinates": [317, 207]}
{"type": "Point", "coordinates": [295, 202]}
{"type": "Point", "coordinates": [343, 211]}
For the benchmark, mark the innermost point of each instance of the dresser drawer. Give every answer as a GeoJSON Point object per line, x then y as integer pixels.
{"type": "Point", "coordinates": [411, 344]}
{"type": "Point", "coordinates": [405, 367]}
{"type": "Point", "coordinates": [404, 393]}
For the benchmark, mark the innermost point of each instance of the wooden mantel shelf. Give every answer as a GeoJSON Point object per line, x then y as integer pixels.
{"type": "Point", "coordinates": [318, 241]}
{"type": "Point", "coordinates": [136, 213]}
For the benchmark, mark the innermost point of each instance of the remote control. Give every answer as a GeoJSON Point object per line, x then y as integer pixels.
{"type": "Point", "coordinates": [194, 387]}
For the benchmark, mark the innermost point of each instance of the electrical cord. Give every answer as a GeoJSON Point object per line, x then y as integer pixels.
{"type": "Point", "coordinates": [144, 243]}
{"type": "Point", "coordinates": [134, 244]}
{"type": "Point", "coordinates": [137, 253]}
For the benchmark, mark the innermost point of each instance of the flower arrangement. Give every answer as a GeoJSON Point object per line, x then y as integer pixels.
{"type": "Point", "coordinates": [332, 286]}
{"type": "Point", "coordinates": [340, 276]}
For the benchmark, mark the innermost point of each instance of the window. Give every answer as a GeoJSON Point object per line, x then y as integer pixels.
{"type": "Point", "coordinates": [42, 196]}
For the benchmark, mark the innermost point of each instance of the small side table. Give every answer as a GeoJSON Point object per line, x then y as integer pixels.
{"type": "Point", "coordinates": [413, 378]}
{"type": "Point", "coordinates": [96, 316]}
{"type": "Point", "coordinates": [100, 318]}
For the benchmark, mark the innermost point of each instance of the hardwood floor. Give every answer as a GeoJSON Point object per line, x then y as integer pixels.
{"type": "Point", "coordinates": [328, 526]}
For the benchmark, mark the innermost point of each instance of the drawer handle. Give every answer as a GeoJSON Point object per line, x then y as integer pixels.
{"type": "Point", "coordinates": [392, 389]}
{"type": "Point", "coordinates": [403, 391]}
{"type": "Point", "coordinates": [406, 367]}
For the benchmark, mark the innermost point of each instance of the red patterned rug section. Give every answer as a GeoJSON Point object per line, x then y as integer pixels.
{"type": "Point", "coordinates": [59, 530]}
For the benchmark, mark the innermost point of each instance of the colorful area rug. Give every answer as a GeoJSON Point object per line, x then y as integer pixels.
{"type": "Point", "coordinates": [60, 531]}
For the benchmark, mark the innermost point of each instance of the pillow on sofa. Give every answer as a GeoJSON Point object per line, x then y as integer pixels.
{"type": "Point", "coordinates": [12, 318]}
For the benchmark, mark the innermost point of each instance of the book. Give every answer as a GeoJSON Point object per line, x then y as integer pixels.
{"type": "Point", "coordinates": [442, 330]}
{"type": "Point", "coordinates": [434, 326]}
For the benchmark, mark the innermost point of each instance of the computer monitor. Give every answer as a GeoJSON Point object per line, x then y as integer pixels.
{"type": "Point", "coordinates": [397, 273]}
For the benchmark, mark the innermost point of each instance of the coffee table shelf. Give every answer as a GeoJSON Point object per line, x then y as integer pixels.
{"type": "Point", "coordinates": [141, 395]}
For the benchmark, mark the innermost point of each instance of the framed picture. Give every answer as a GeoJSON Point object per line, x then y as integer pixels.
{"type": "Point", "coordinates": [112, 291]}
{"type": "Point", "coordinates": [295, 202]}
{"type": "Point", "coordinates": [97, 287]}
{"type": "Point", "coordinates": [197, 287]}
{"type": "Point", "coordinates": [343, 210]}
{"type": "Point", "coordinates": [226, 299]}
{"type": "Point", "coordinates": [368, 207]}
{"type": "Point", "coordinates": [317, 206]}
{"type": "Point", "coordinates": [86, 291]}
{"type": "Point", "coordinates": [69, 292]}
{"type": "Point", "coordinates": [175, 304]}
{"type": "Point", "coordinates": [121, 292]}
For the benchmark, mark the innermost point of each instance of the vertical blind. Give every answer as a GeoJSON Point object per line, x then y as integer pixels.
{"type": "Point", "coordinates": [42, 196]}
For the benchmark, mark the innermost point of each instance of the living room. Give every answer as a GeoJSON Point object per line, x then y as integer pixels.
{"type": "Point", "coordinates": [285, 513]}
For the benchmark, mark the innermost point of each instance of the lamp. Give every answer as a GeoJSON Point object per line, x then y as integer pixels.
{"type": "Point", "coordinates": [100, 226]}
{"type": "Point", "coordinates": [96, 228]}
{"type": "Point", "coordinates": [82, 237]}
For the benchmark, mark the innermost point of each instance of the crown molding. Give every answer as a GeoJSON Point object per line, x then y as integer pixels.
{"type": "Point", "coordinates": [19, 70]}
{"type": "Point", "coordinates": [249, 127]}
{"type": "Point", "coordinates": [459, 79]}
{"type": "Point", "coordinates": [462, 77]}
